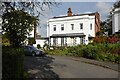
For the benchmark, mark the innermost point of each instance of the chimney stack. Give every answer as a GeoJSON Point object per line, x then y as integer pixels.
{"type": "Point", "coordinates": [69, 12]}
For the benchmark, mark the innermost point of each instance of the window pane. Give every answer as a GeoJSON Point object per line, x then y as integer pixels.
{"type": "Point", "coordinates": [62, 27]}
{"type": "Point", "coordinates": [62, 41]}
{"type": "Point", "coordinates": [72, 26]}
{"type": "Point", "coordinates": [54, 41]}
{"type": "Point", "coordinates": [54, 28]}
{"type": "Point", "coordinates": [90, 26]}
{"type": "Point", "coordinates": [81, 25]}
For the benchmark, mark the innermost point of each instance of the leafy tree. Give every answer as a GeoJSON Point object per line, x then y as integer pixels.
{"type": "Point", "coordinates": [5, 41]}
{"type": "Point", "coordinates": [116, 4]}
{"type": "Point", "coordinates": [17, 22]}
{"type": "Point", "coordinates": [16, 25]}
{"type": "Point", "coordinates": [34, 8]}
{"type": "Point", "coordinates": [102, 28]}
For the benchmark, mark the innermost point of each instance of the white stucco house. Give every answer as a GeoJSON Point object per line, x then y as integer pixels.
{"type": "Point", "coordinates": [73, 29]}
{"type": "Point", "coordinates": [116, 20]}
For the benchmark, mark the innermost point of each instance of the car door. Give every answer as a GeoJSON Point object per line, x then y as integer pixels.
{"type": "Point", "coordinates": [27, 50]}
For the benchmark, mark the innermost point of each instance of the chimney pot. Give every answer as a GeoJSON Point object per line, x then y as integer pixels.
{"type": "Point", "coordinates": [69, 12]}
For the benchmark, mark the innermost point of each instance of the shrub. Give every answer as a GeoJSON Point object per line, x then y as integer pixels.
{"type": "Point", "coordinates": [101, 51]}
{"type": "Point", "coordinates": [100, 39]}
{"type": "Point", "coordinates": [38, 46]}
{"type": "Point", "coordinates": [46, 46]}
{"type": "Point", "coordinates": [12, 59]}
{"type": "Point", "coordinates": [112, 39]}
{"type": "Point", "coordinates": [91, 52]}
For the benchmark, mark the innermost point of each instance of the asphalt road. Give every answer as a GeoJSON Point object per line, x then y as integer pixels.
{"type": "Point", "coordinates": [64, 67]}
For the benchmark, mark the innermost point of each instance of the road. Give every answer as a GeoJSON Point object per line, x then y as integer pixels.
{"type": "Point", "coordinates": [64, 67]}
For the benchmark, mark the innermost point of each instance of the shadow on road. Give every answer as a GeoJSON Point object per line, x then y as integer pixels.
{"type": "Point", "coordinates": [40, 68]}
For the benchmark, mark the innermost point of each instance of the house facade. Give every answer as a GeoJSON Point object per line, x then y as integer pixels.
{"type": "Point", "coordinates": [116, 21]}
{"type": "Point", "coordinates": [72, 29]}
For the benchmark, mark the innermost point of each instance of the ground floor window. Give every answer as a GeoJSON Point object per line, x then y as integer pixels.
{"type": "Point", "coordinates": [62, 41]}
{"type": "Point", "coordinates": [81, 40]}
{"type": "Point", "coordinates": [73, 41]}
{"type": "Point", "coordinates": [54, 41]}
{"type": "Point", "coordinates": [66, 41]}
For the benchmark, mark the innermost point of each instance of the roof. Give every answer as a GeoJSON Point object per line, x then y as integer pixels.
{"type": "Point", "coordinates": [68, 35]}
{"type": "Point", "coordinates": [90, 14]}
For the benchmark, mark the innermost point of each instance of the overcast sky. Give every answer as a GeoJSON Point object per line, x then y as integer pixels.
{"type": "Point", "coordinates": [77, 8]}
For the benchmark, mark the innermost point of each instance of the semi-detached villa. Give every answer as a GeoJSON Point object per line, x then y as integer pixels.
{"type": "Point", "coordinates": [73, 29]}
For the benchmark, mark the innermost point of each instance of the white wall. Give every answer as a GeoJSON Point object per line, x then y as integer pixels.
{"type": "Point", "coordinates": [39, 41]}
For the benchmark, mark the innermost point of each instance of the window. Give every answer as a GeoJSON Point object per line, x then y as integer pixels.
{"type": "Point", "coordinates": [62, 41]}
{"type": "Point", "coordinates": [81, 25]}
{"type": "Point", "coordinates": [54, 41]}
{"type": "Point", "coordinates": [72, 26]}
{"type": "Point", "coordinates": [90, 26]}
{"type": "Point", "coordinates": [54, 28]}
{"type": "Point", "coordinates": [81, 40]}
{"type": "Point", "coordinates": [62, 27]}
{"type": "Point", "coordinates": [72, 39]}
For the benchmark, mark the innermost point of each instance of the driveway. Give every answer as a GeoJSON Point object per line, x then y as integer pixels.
{"type": "Point", "coordinates": [64, 67]}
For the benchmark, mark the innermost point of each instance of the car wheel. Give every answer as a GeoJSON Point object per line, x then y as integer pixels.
{"type": "Point", "coordinates": [33, 54]}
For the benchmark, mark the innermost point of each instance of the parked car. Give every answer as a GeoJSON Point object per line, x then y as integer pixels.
{"type": "Point", "coordinates": [31, 50]}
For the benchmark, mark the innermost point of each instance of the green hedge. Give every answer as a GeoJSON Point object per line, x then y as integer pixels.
{"type": "Point", "coordinates": [103, 51]}
{"type": "Point", "coordinates": [12, 59]}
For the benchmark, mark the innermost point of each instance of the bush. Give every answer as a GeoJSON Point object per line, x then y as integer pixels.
{"type": "Point", "coordinates": [91, 52]}
{"type": "Point", "coordinates": [75, 50]}
{"type": "Point", "coordinates": [112, 39]}
{"type": "Point", "coordinates": [100, 39]}
{"type": "Point", "coordinates": [101, 51]}
{"type": "Point", "coordinates": [12, 59]}
{"type": "Point", "coordinates": [38, 46]}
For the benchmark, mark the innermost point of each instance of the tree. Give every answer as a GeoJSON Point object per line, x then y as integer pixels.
{"type": "Point", "coordinates": [109, 25]}
{"type": "Point", "coordinates": [33, 8]}
{"type": "Point", "coordinates": [16, 25]}
{"type": "Point", "coordinates": [17, 22]}
{"type": "Point", "coordinates": [102, 28]}
{"type": "Point", "coordinates": [116, 4]}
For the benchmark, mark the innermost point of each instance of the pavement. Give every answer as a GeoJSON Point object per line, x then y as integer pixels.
{"type": "Point", "coordinates": [109, 65]}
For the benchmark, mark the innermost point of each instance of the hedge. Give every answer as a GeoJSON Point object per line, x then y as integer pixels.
{"type": "Point", "coordinates": [12, 59]}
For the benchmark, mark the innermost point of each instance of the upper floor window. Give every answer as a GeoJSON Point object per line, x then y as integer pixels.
{"type": "Point", "coordinates": [62, 27]}
{"type": "Point", "coordinates": [72, 26]}
{"type": "Point", "coordinates": [54, 28]}
{"type": "Point", "coordinates": [91, 26]}
{"type": "Point", "coordinates": [81, 25]}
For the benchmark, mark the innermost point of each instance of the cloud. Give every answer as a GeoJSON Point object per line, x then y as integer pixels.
{"type": "Point", "coordinates": [103, 8]}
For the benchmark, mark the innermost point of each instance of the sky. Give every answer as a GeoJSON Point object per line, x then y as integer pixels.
{"type": "Point", "coordinates": [77, 8]}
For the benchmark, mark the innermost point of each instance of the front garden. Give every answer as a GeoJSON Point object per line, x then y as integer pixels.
{"type": "Point", "coordinates": [107, 49]}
